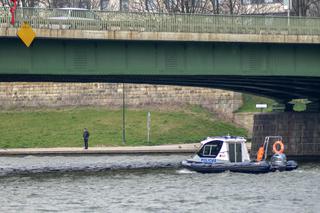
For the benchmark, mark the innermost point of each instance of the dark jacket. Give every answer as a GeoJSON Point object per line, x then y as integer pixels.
{"type": "Point", "coordinates": [86, 134]}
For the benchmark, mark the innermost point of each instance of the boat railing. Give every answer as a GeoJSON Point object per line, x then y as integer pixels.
{"type": "Point", "coordinates": [266, 144]}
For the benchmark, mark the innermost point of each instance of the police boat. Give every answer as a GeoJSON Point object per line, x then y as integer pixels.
{"type": "Point", "coordinates": [228, 153]}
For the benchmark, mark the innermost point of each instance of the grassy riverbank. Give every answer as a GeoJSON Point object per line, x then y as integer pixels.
{"type": "Point", "coordinates": [250, 101]}
{"type": "Point", "coordinates": [63, 128]}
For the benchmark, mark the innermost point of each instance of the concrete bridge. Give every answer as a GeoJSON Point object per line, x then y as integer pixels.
{"type": "Point", "coordinates": [275, 57]}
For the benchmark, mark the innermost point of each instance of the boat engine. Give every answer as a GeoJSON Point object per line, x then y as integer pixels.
{"type": "Point", "coordinates": [278, 162]}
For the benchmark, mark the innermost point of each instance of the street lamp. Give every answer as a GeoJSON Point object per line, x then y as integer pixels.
{"type": "Point", "coordinates": [123, 116]}
{"type": "Point", "coordinates": [287, 5]}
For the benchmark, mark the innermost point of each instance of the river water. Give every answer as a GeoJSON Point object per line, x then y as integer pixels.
{"type": "Point", "coordinates": [148, 183]}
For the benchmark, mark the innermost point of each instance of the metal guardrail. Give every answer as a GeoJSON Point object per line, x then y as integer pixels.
{"type": "Point", "coordinates": [160, 22]}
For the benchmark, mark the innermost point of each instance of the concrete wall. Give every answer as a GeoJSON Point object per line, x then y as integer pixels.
{"type": "Point", "coordinates": [20, 95]}
{"type": "Point", "coordinates": [245, 120]}
{"type": "Point", "coordinates": [166, 36]}
{"type": "Point", "coordinates": [300, 132]}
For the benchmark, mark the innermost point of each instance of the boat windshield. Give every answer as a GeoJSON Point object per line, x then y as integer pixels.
{"type": "Point", "coordinates": [210, 149]}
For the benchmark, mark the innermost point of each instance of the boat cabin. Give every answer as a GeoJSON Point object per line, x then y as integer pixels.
{"type": "Point", "coordinates": [223, 149]}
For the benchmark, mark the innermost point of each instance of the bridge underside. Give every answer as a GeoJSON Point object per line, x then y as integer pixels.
{"type": "Point", "coordinates": [280, 71]}
{"type": "Point", "coordinates": [280, 88]}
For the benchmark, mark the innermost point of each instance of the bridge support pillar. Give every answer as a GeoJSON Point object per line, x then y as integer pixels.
{"type": "Point", "coordinates": [300, 132]}
{"type": "Point", "coordinates": [283, 107]}
{"type": "Point", "coordinates": [288, 107]}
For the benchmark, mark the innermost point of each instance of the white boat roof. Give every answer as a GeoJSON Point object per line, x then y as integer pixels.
{"type": "Point", "coordinates": [226, 139]}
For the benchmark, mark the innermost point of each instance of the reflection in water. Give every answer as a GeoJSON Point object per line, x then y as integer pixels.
{"type": "Point", "coordinates": [149, 189]}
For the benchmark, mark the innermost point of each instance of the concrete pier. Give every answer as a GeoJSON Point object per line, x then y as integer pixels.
{"type": "Point", "coordinates": [300, 132]}
{"type": "Point", "coordinates": [161, 149]}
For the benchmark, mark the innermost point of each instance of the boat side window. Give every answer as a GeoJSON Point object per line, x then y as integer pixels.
{"type": "Point", "coordinates": [211, 149]}
{"type": "Point", "coordinates": [206, 150]}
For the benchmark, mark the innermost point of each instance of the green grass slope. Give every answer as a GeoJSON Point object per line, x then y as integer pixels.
{"type": "Point", "coordinates": [250, 101]}
{"type": "Point", "coordinates": [63, 128]}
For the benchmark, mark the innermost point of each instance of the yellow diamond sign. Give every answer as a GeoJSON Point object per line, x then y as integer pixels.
{"type": "Point", "coordinates": [26, 34]}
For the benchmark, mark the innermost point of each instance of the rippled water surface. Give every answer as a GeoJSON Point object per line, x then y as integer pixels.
{"type": "Point", "coordinates": [148, 184]}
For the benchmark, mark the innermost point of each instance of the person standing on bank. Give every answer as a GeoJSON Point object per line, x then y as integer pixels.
{"type": "Point", "coordinates": [86, 138]}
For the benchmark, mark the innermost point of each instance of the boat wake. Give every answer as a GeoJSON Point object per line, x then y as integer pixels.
{"type": "Point", "coordinates": [185, 171]}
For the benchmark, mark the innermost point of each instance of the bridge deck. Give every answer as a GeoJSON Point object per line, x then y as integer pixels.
{"type": "Point", "coordinates": [169, 27]}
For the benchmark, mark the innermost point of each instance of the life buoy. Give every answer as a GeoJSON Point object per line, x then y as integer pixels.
{"type": "Point", "coordinates": [275, 147]}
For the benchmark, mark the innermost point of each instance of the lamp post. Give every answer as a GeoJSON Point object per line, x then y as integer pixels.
{"type": "Point", "coordinates": [123, 116]}
{"type": "Point", "coordinates": [288, 13]}
{"type": "Point", "coordinates": [148, 126]}
{"type": "Point", "coordinates": [287, 6]}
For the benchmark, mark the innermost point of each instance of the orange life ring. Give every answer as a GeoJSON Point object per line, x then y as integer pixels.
{"type": "Point", "coordinates": [275, 149]}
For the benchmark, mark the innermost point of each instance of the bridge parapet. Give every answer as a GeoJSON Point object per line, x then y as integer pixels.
{"type": "Point", "coordinates": [160, 26]}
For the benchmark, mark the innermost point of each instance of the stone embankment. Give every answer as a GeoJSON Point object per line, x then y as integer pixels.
{"type": "Point", "coordinates": [245, 120]}
{"type": "Point", "coordinates": [19, 95]}
{"type": "Point", "coordinates": [161, 149]}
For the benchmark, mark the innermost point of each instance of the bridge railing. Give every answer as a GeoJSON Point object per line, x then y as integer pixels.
{"type": "Point", "coordinates": [161, 22]}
